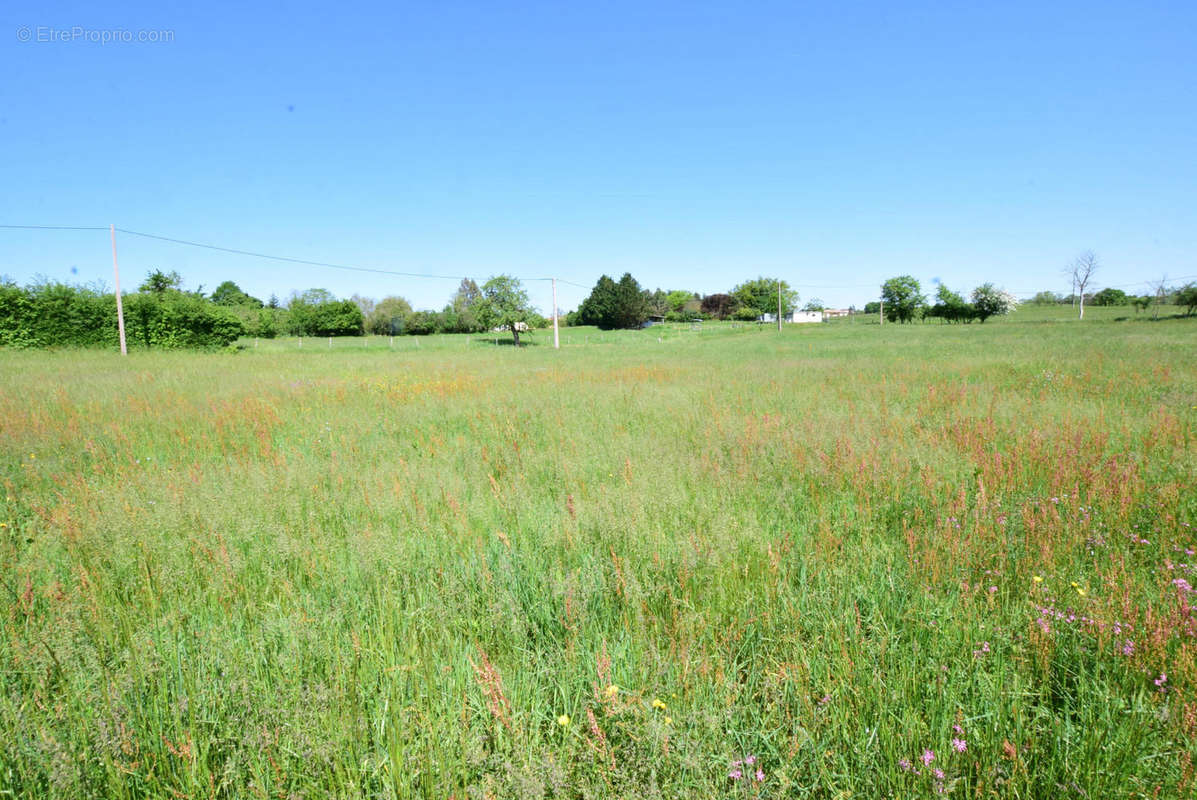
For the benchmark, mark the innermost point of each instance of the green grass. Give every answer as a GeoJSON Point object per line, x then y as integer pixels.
{"type": "Point", "coordinates": [376, 571]}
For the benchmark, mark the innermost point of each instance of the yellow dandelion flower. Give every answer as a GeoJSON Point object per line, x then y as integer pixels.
{"type": "Point", "coordinates": [1038, 579]}
{"type": "Point", "coordinates": [3, 524]}
{"type": "Point", "coordinates": [612, 690]}
{"type": "Point", "coordinates": [669, 720]}
{"type": "Point", "coordinates": [658, 704]}
{"type": "Point", "coordinates": [563, 720]}
{"type": "Point", "coordinates": [1080, 591]}
{"type": "Point", "coordinates": [1074, 584]}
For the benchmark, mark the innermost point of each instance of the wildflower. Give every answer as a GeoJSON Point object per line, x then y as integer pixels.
{"type": "Point", "coordinates": [1038, 579]}
{"type": "Point", "coordinates": [927, 757]}
{"type": "Point", "coordinates": [750, 760]}
{"type": "Point", "coordinates": [658, 704]}
{"type": "Point", "coordinates": [563, 720]}
{"type": "Point", "coordinates": [904, 764]}
{"type": "Point", "coordinates": [3, 524]}
{"type": "Point", "coordinates": [760, 775]}
{"type": "Point", "coordinates": [1128, 648]}
{"type": "Point", "coordinates": [735, 774]}
{"type": "Point", "coordinates": [824, 700]}
{"type": "Point", "coordinates": [938, 773]}
{"type": "Point", "coordinates": [612, 690]}
{"type": "Point", "coordinates": [960, 745]}
{"type": "Point", "coordinates": [1080, 591]}
{"type": "Point", "coordinates": [669, 720]}
{"type": "Point", "coordinates": [1160, 681]}
{"type": "Point", "coordinates": [957, 729]}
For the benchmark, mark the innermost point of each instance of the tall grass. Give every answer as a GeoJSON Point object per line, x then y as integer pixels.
{"type": "Point", "coordinates": [456, 569]}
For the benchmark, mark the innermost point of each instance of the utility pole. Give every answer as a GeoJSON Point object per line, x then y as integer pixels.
{"type": "Point", "coordinates": [556, 338]}
{"type": "Point", "coordinates": [120, 307]}
{"type": "Point", "coordinates": [779, 305]}
{"type": "Point", "coordinates": [881, 313]}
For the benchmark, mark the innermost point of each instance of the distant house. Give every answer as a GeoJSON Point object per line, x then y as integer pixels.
{"type": "Point", "coordinates": [793, 316]}
{"type": "Point", "coordinates": [804, 316]}
{"type": "Point", "coordinates": [831, 313]}
{"type": "Point", "coordinates": [521, 327]}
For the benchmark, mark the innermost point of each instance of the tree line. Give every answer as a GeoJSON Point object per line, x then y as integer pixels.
{"type": "Point", "coordinates": [161, 314]}
{"type": "Point", "coordinates": [624, 303]}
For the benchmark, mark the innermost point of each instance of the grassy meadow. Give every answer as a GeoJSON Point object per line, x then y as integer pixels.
{"type": "Point", "coordinates": [841, 561]}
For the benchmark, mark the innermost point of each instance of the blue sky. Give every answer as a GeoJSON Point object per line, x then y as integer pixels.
{"type": "Point", "coordinates": [693, 144]}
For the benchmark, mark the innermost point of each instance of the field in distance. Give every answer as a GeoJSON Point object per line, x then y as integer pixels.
{"type": "Point", "coordinates": [842, 560]}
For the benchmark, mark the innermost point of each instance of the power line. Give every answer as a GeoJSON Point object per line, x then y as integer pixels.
{"type": "Point", "coordinates": [53, 228]}
{"type": "Point", "coordinates": [288, 259]}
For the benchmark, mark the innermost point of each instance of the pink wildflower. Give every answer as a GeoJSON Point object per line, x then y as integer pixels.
{"type": "Point", "coordinates": [928, 756]}
{"type": "Point", "coordinates": [960, 745]}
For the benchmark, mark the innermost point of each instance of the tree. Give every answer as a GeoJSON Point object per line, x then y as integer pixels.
{"type": "Point", "coordinates": [719, 306]}
{"type": "Point", "coordinates": [814, 304]}
{"type": "Point", "coordinates": [366, 304]}
{"type": "Point", "coordinates": [1082, 270]}
{"type": "Point", "coordinates": [388, 316]}
{"type": "Point", "coordinates": [504, 304]}
{"type": "Point", "coordinates": [951, 307]}
{"type": "Point", "coordinates": [1141, 303]}
{"type": "Point", "coordinates": [989, 302]}
{"type": "Point", "coordinates": [615, 305]}
{"type": "Point", "coordinates": [761, 295]}
{"type": "Point", "coordinates": [230, 294]}
{"type": "Point", "coordinates": [159, 282]}
{"type": "Point", "coordinates": [599, 307]}
{"type": "Point", "coordinates": [1187, 296]}
{"type": "Point", "coordinates": [872, 307]}
{"type": "Point", "coordinates": [631, 305]}
{"type": "Point", "coordinates": [677, 299]}
{"type": "Point", "coordinates": [1111, 297]}
{"type": "Point", "coordinates": [1046, 298]}
{"type": "Point", "coordinates": [658, 302]}
{"type": "Point", "coordinates": [903, 298]}
{"type": "Point", "coordinates": [1160, 294]}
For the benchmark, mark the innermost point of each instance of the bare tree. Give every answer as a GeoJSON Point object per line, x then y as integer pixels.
{"type": "Point", "coordinates": [1161, 294]}
{"type": "Point", "coordinates": [1082, 270]}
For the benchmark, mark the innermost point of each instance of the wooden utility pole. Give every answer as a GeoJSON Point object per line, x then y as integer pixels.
{"type": "Point", "coordinates": [881, 313]}
{"type": "Point", "coordinates": [779, 305]}
{"type": "Point", "coordinates": [556, 338]}
{"type": "Point", "coordinates": [120, 307]}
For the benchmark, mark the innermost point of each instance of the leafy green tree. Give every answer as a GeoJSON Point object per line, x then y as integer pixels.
{"type": "Point", "coordinates": [902, 298]}
{"type": "Point", "coordinates": [316, 312]}
{"type": "Point", "coordinates": [632, 307]}
{"type": "Point", "coordinates": [761, 296]}
{"type": "Point", "coordinates": [951, 307]}
{"type": "Point", "coordinates": [504, 304]}
{"type": "Point", "coordinates": [1111, 297]}
{"type": "Point", "coordinates": [873, 307]}
{"type": "Point", "coordinates": [388, 316]}
{"type": "Point", "coordinates": [989, 301]}
{"type": "Point", "coordinates": [615, 305]}
{"type": "Point", "coordinates": [1187, 296]}
{"type": "Point", "coordinates": [599, 307]}
{"type": "Point", "coordinates": [678, 298]}
{"type": "Point", "coordinates": [814, 304]}
{"type": "Point", "coordinates": [1047, 299]}
{"type": "Point", "coordinates": [658, 302]}
{"type": "Point", "coordinates": [464, 308]}
{"type": "Point", "coordinates": [160, 282]}
{"type": "Point", "coordinates": [230, 294]}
